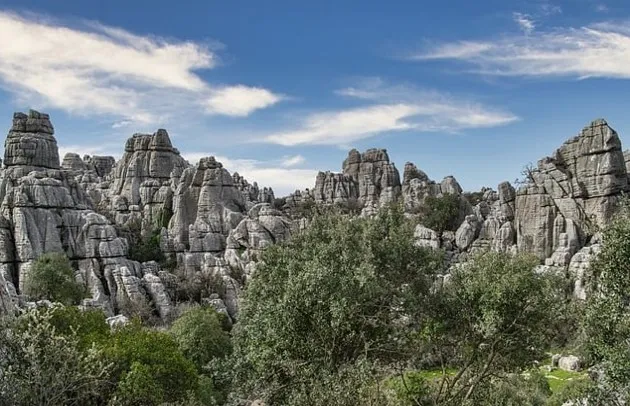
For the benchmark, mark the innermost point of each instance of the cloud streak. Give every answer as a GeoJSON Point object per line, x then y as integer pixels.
{"type": "Point", "coordinates": [103, 70]}
{"type": "Point", "coordinates": [525, 22]}
{"type": "Point", "coordinates": [398, 108]}
{"type": "Point", "coordinates": [599, 50]}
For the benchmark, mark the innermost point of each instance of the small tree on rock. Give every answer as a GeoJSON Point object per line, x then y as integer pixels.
{"type": "Point", "coordinates": [52, 277]}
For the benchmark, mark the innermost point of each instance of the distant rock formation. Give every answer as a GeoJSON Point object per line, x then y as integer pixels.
{"type": "Point", "coordinates": [214, 225]}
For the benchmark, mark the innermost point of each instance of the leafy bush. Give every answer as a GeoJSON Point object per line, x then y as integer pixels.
{"type": "Point", "coordinates": [51, 277]}
{"type": "Point", "coordinates": [200, 336]}
{"type": "Point", "coordinates": [40, 366]}
{"type": "Point", "coordinates": [148, 367]}
{"type": "Point", "coordinates": [147, 248]}
{"type": "Point", "coordinates": [440, 213]}
{"type": "Point", "coordinates": [88, 326]}
{"type": "Point", "coordinates": [491, 319]}
{"type": "Point", "coordinates": [607, 315]}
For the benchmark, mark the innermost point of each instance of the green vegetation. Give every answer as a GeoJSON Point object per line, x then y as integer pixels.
{"type": "Point", "coordinates": [147, 248]}
{"type": "Point", "coordinates": [324, 305]}
{"type": "Point", "coordinates": [52, 278]}
{"type": "Point", "coordinates": [200, 336]}
{"type": "Point", "coordinates": [347, 312]}
{"type": "Point", "coordinates": [558, 379]}
{"type": "Point", "coordinates": [441, 213]}
{"type": "Point", "coordinates": [40, 366]}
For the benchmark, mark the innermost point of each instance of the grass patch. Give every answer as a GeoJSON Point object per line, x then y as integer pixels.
{"type": "Point", "coordinates": [558, 379]}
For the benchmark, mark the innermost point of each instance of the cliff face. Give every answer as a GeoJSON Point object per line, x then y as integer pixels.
{"type": "Point", "coordinates": [214, 224]}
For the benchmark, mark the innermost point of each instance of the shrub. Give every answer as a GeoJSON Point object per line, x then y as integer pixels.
{"type": "Point", "coordinates": [200, 336]}
{"type": "Point", "coordinates": [52, 277]}
{"type": "Point", "coordinates": [39, 366]}
{"type": "Point", "coordinates": [147, 248]}
{"type": "Point", "coordinates": [441, 213]}
{"type": "Point", "coordinates": [89, 326]}
{"type": "Point", "coordinates": [148, 366]}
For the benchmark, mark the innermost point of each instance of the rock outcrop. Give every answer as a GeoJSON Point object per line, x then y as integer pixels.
{"type": "Point", "coordinates": [213, 225]}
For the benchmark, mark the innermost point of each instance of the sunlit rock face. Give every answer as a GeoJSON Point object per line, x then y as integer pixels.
{"type": "Point", "coordinates": [213, 224]}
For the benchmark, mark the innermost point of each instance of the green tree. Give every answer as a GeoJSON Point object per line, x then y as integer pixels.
{"type": "Point", "coordinates": [607, 319]}
{"type": "Point", "coordinates": [327, 303]}
{"type": "Point", "coordinates": [490, 319]}
{"type": "Point", "coordinates": [200, 336]}
{"type": "Point", "coordinates": [40, 367]}
{"type": "Point", "coordinates": [148, 366]}
{"type": "Point", "coordinates": [51, 277]}
{"type": "Point", "coordinates": [441, 213]}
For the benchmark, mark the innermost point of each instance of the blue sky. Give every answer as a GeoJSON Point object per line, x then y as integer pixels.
{"type": "Point", "coordinates": [278, 90]}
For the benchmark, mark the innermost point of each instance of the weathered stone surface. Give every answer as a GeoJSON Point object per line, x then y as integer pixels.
{"type": "Point", "coordinates": [569, 363]}
{"type": "Point", "coordinates": [206, 206]}
{"type": "Point", "coordinates": [579, 266]}
{"type": "Point", "coordinates": [31, 142]}
{"type": "Point", "coordinates": [582, 181]}
{"type": "Point", "coordinates": [102, 165]}
{"type": "Point", "coordinates": [252, 194]}
{"type": "Point", "coordinates": [467, 232]}
{"type": "Point", "coordinates": [146, 157]}
{"type": "Point", "coordinates": [425, 237]}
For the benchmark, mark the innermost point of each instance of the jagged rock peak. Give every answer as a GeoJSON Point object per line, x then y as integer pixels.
{"type": "Point", "coordinates": [103, 165]}
{"type": "Point", "coordinates": [209, 162]}
{"type": "Point", "coordinates": [351, 165]}
{"type": "Point", "coordinates": [30, 142]}
{"type": "Point", "coordinates": [158, 141]}
{"type": "Point", "coordinates": [73, 161]}
{"type": "Point", "coordinates": [33, 122]}
{"type": "Point", "coordinates": [412, 172]}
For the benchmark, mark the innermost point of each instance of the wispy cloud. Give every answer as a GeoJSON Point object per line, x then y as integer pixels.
{"type": "Point", "coordinates": [240, 101]}
{"type": "Point", "coordinates": [525, 22]}
{"type": "Point", "coordinates": [96, 69]}
{"type": "Point", "coordinates": [121, 124]}
{"type": "Point", "coordinates": [548, 9]}
{"type": "Point", "coordinates": [601, 8]}
{"type": "Point", "coordinates": [600, 50]}
{"type": "Point", "coordinates": [289, 161]}
{"type": "Point", "coordinates": [272, 173]}
{"type": "Point", "coordinates": [397, 108]}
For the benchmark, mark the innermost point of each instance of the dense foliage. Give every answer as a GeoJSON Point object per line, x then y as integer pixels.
{"type": "Point", "coordinates": [330, 299]}
{"type": "Point", "coordinates": [347, 312]}
{"type": "Point", "coordinates": [607, 321]}
{"type": "Point", "coordinates": [441, 213]}
{"type": "Point", "coordinates": [52, 278]}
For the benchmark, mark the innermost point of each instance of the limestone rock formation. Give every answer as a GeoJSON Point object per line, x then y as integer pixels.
{"type": "Point", "coordinates": [43, 208]}
{"type": "Point", "coordinates": [581, 182]}
{"type": "Point", "coordinates": [31, 142]}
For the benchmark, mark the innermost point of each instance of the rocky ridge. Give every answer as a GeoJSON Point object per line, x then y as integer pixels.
{"type": "Point", "coordinates": [213, 225]}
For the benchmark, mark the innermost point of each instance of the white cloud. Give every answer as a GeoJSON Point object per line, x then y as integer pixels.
{"type": "Point", "coordinates": [289, 161]}
{"type": "Point", "coordinates": [103, 70]}
{"type": "Point", "coordinates": [601, 8]}
{"type": "Point", "coordinates": [548, 9]}
{"type": "Point", "coordinates": [282, 180]}
{"type": "Point", "coordinates": [240, 101]}
{"type": "Point", "coordinates": [601, 50]}
{"type": "Point", "coordinates": [454, 50]}
{"type": "Point", "coordinates": [349, 125]}
{"type": "Point", "coordinates": [400, 108]}
{"type": "Point", "coordinates": [525, 22]}
{"type": "Point", "coordinates": [121, 124]}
